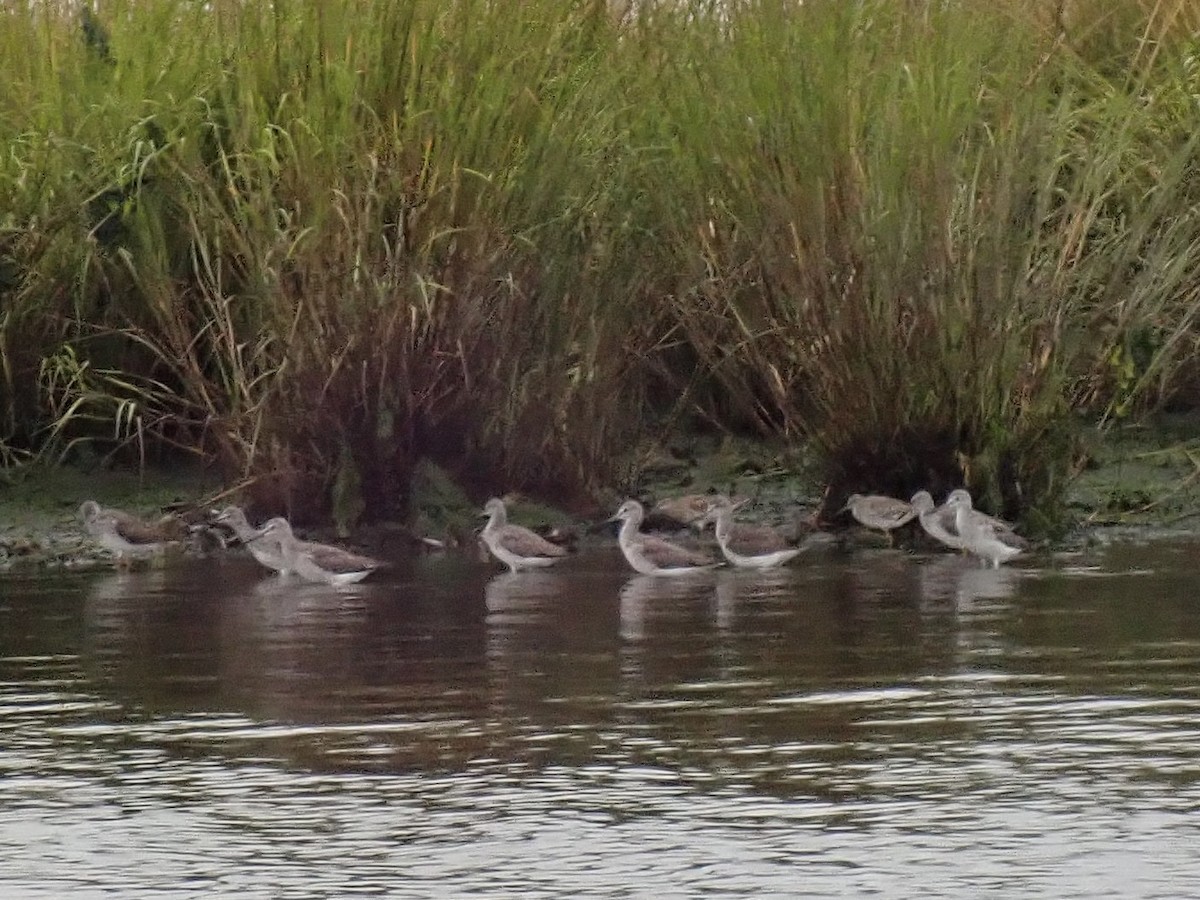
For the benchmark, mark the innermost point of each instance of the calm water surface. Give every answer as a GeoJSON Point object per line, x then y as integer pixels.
{"type": "Point", "coordinates": [881, 723]}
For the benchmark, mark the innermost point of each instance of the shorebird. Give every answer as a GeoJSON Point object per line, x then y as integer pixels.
{"type": "Point", "coordinates": [879, 512]}
{"type": "Point", "coordinates": [126, 535]}
{"type": "Point", "coordinates": [319, 563]}
{"type": "Point", "coordinates": [688, 509]}
{"type": "Point", "coordinates": [650, 555]}
{"type": "Point", "coordinates": [938, 521]}
{"type": "Point", "coordinates": [515, 546]}
{"type": "Point", "coordinates": [963, 497]}
{"type": "Point", "coordinates": [987, 537]}
{"type": "Point", "coordinates": [747, 546]}
{"type": "Point", "coordinates": [266, 551]}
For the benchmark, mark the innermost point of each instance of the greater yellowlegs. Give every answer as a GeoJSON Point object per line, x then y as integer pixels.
{"type": "Point", "coordinates": [266, 550]}
{"type": "Point", "coordinates": [747, 546]}
{"type": "Point", "coordinates": [938, 521]}
{"type": "Point", "coordinates": [515, 546]}
{"type": "Point", "coordinates": [319, 563]}
{"type": "Point", "coordinates": [126, 535]}
{"type": "Point", "coordinates": [987, 537]}
{"type": "Point", "coordinates": [650, 555]}
{"type": "Point", "coordinates": [962, 497]}
{"type": "Point", "coordinates": [878, 512]}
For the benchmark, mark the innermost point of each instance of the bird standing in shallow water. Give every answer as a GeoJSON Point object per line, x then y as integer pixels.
{"type": "Point", "coordinates": [938, 521]}
{"type": "Point", "coordinates": [650, 555]}
{"type": "Point", "coordinates": [267, 551]}
{"type": "Point", "coordinates": [987, 537]}
{"type": "Point", "coordinates": [878, 512]}
{"type": "Point", "coordinates": [515, 546]}
{"type": "Point", "coordinates": [747, 546]}
{"type": "Point", "coordinates": [318, 563]}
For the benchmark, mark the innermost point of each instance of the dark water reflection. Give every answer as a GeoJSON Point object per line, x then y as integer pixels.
{"type": "Point", "coordinates": [878, 723]}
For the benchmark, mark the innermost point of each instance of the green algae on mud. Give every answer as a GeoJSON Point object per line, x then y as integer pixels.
{"type": "Point", "coordinates": [39, 506]}
{"type": "Point", "coordinates": [1142, 476]}
{"type": "Point", "coordinates": [1139, 476]}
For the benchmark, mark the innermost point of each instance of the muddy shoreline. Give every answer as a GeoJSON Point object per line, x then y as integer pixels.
{"type": "Point", "coordinates": [1139, 481]}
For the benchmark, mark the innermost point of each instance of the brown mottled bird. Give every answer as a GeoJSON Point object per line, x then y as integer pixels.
{"type": "Point", "coordinates": [126, 535]}
{"type": "Point", "coordinates": [687, 509]}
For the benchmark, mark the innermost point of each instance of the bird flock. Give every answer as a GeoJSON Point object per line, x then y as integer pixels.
{"type": "Point", "coordinates": [273, 545]}
{"type": "Point", "coordinates": [955, 524]}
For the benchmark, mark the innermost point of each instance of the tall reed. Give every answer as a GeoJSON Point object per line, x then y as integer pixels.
{"type": "Point", "coordinates": [318, 242]}
{"type": "Point", "coordinates": [922, 236]}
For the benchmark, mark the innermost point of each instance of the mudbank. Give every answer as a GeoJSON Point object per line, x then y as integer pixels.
{"type": "Point", "coordinates": [1138, 480]}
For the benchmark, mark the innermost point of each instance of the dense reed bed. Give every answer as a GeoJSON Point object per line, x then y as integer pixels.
{"type": "Point", "coordinates": [319, 242]}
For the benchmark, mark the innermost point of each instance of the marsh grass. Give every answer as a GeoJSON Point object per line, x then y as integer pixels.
{"type": "Point", "coordinates": [929, 241]}
{"type": "Point", "coordinates": [319, 243]}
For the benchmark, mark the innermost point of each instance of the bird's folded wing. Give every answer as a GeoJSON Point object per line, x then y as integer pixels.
{"type": "Point", "coordinates": [664, 553]}
{"type": "Point", "coordinates": [754, 540]}
{"type": "Point", "coordinates": [523, 542]}
{"type": "Point", "coordinates": [336, 559]}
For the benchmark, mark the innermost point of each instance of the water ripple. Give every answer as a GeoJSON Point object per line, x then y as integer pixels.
{"type": "Point", "coordinates": [921, 728]}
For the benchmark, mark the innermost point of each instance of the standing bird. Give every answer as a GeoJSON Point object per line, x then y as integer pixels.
{"type": "Point", "coordinates": [938, 521]}
{"type": "Point", "coordinates": [962, 497]}
{"type": "Point", "coordinates": [318, 563]}
{"type": "Point", "coordinates": [878, 512]}
{"type": "Point", "coordinates": [266, 550]}
{"type": "Point", "coordinates": [987, 537]}
{"type": "Point", "coordinates": [747, 546]}
{"type": "Point", "coordinates": [650, 555]}
{"type": "Point", "coordinates": [127, 536]}
{"type": "Point", "coordinates": [515, 546]}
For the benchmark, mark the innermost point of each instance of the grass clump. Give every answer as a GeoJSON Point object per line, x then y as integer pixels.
{"type": "Point", "coordinates": [388, 241]}
{"type": "Point", "coordinates": [930, 240]}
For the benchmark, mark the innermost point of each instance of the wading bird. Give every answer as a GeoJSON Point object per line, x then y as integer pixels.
{"type": "Point", "coordinates": [992, 540]}
{"type": "Point", "coordinates": [650, 555]}
{"type": "Point", "coordinates": [318, 563]}
{"type": "Point", "coordinates": [878, 512]}
{"type": "Point", "coordinates": [515, 546]}
{"type": "Point", "coordinates": [747, 546]}
{"type": "Point", "coordinates": [265, 550]}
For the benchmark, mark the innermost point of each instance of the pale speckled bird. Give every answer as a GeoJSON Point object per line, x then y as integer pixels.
{"type": "Point", "coordinates": [651, 555]}
{"type": "Point", "coordinates": [938, 521]}
{"type": "Point", "coordinates": [318, 563]}
{"type": "Point", "coordinates": [514, 545]}
{"type": "Point", "coordinates": [747, 546]}
{"type": "Point", "coordinates": [266, 550]}
{"type": "Point", "coordinates": [879, 512]}
{"type": "Point", "coordinates": [992, 540]}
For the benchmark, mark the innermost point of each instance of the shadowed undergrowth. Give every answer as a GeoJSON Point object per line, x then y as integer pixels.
{"type": "Point", "coordinates": [320, 243]}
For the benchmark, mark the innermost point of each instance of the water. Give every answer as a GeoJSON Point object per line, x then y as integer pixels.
{"type": "Point", "coordinates": [873, 724]}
